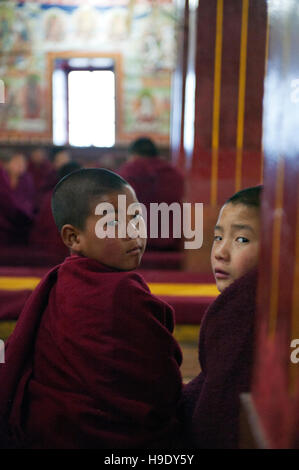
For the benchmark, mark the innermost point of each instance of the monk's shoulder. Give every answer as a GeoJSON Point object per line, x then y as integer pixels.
{"type": "Point", "coordinates": [130, 282]}
{"type": "Point", "coordinates": [132, 294]}
{"type": "Point", "coordinates": [236, 301]}
{"type": "Point", "coordinates": [229, 319]}
{"type": "Point", "coordinates": [132, 289]}
{"type": "Point", "coordinates": [80, 276]}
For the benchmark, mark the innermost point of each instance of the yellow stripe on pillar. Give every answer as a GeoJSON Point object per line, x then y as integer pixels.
{"type": "Point", "coordinates": [216, 102]}
{"type": "Point", "coordinates": [241, 97]}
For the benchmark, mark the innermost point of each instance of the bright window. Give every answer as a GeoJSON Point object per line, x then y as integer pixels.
{"type": "Point", "coordinates": [83, 105]}
{"type": "Point", "coordinates": [91, 100]}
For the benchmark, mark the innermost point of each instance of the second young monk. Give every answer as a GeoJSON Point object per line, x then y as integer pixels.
{"type": "Point", "coordinates": [92, 362]}
{"type": "Point", "coordinates": [211, 403]}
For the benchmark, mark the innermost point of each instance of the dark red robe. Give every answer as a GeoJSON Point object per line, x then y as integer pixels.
{"type": "Point", "coordinates": [25, 192]}
{"type": "Point", "coordinates": [211, 402]}
{"type": "Point", "coordinates": [16, 210]}
{"type": "Point", "coordinates": [44, 177]}
{"type": "Point", "coordinates": [92, 363]}
{"type": "Point", "coordinates": [155, 181]}
{"type": "Point", "coordinates": [44, 233]}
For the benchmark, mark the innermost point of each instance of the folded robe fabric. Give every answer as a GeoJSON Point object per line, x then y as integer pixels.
{"type": "Point", "coordinates": [91, 363]}
{"type": "Point", "coordinates": [211, 401]}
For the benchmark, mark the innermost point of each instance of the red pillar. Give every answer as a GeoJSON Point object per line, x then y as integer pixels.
{"type": "Point", "coordinates": [276, 378]}
{"type": "Point", "coordinates": [223, 94]}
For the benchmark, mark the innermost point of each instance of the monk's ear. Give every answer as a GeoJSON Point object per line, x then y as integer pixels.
{"type": "Point", "coordinates": [71, 237]}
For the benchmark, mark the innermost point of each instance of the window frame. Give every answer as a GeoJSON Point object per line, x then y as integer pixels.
{"type": "Point", "coordinates": [118, 74]}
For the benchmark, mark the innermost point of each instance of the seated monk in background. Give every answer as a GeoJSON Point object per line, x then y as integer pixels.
{"type": "Point", "coordinates": [42, 171]}
{"type": "Point", "coordinates": [92, 362]}
{"type": "Point", "coordinates": [60, 156]}
{"type": "Point", "coordinates": [155, 181]}
{"type": "Point", "coordinates": [17, 198]}
{"type": "Point", "coordinates": [211, 401]}
{"type": "Point", "coordinates": [44, 233]}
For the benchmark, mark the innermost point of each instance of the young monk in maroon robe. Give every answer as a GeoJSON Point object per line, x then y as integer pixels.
{"type": "Point", "coordinates": [155, 181]}
{"type": "Point", "coordinates": [92, 362]}
{"type": "Point", "coordinates": [22, 183]}
{"type": "Point", "coordinates": [211, 402]}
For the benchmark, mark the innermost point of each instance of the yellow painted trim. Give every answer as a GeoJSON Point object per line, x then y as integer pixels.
{"type": "Point", "coordinates": [18, 283]}
{"type": "Point", "coordinates": [169, 289]}
{"type": "Point", "coordinates": [276, 236]}
{"type": "Point", "coordinates": [184, 290]}
{"type": "Point", "coordinates": [242, 93]}
{"type": "Point", "coordinates": [187, 333]}
{"type": "Point", "coordinates": [6, 328]}
{"type": "Point", "coordinates": [216, 103]}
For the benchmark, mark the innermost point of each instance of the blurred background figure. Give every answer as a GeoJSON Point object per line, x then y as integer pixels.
{"type": "Point", "coordinates": [17, 197]}
{"type": "Point", "coordinates": [42, 171]}
{"type": "Point", "coordinates": [155, 181]}
{"type": "Point", "coordinates": [44, 233]}
{"type": "Point", "coordinates": [68, 168]}
{"type": "Point", "coordinates": [60, 157]}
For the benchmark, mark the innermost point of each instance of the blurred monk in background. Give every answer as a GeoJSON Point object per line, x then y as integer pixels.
{"type": "Point", "coordinates": [155, 181]}
{"type": "Point", "coordinates": [42, 171]}
{"type": "Point", "coordinates": [17, 198]}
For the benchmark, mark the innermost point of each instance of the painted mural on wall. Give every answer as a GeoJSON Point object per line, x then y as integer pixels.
{"type": "Point", "coordinates": [142, 31]}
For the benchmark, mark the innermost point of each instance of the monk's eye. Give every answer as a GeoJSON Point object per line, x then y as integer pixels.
{"type": "Point", "coordinates": [217, 238]}
{"type": "Point", "coordinates": [242, 240]}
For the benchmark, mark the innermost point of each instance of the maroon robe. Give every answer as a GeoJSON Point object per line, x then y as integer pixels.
{"type": "Point", "coordinates": [211, 402]}
{"type": "Point", "coordinates": [92, 363]}
{"type": "Point", "coordinates": [155, 181]}
{"type": "Point", "coordinates": [44, 233]}
{"type": "Point", "coordinates": [16, 210]}
{"type": "Point", "coordinates": [44, 177]}
{"type": "Point", "coordinates": [25, 192]}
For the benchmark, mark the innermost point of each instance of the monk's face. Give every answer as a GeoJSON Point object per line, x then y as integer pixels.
{"type": "Point", "coordinates": [17, 165]}
{"type": "Point", "coordinates": [120, 253]}
{"type": "Point", "coordinates": [61, 158]}
{"type": "Point", "coordinates": [236, 243]}
{"type": "Point", "coordinates": [38, 156]}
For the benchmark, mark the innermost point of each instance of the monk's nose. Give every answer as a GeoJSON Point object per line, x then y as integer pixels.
{"type": "Point", "coordinates": [132, 230]}
{"type": "Point", "coordinates": [222, 251]}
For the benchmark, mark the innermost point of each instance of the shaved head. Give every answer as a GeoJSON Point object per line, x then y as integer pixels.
{"type": "Point", "coordinates": [73, 195]}
{"type": "Point", "coordinates": [250, 197]}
